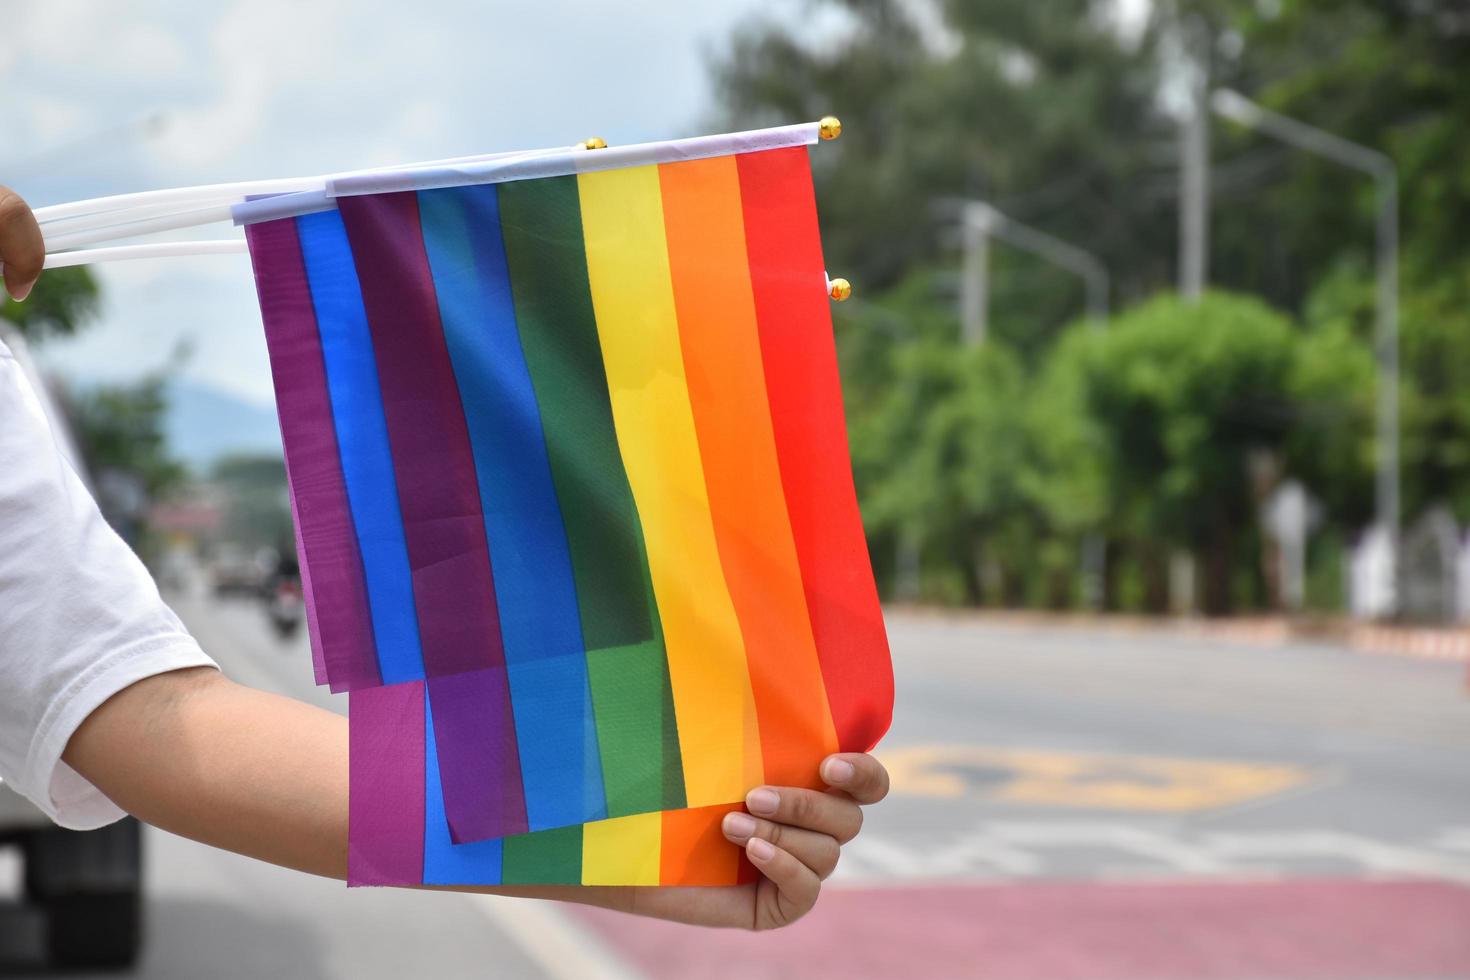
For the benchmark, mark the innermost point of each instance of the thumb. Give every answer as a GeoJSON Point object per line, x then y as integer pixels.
{"type": "Point", "coordinates": [22, 249]}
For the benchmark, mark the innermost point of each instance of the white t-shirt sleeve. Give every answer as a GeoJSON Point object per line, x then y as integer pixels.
{"type": "Point", "coordinates": [80, 617]}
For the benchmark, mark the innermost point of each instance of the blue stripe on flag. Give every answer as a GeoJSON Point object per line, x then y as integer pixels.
{"type": "Point", "coordinates": [362, 435]}
{"type": "Point", "coordinates": [539, 619]}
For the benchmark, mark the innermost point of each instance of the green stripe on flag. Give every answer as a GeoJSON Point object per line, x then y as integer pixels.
{"type": "Point", "coordinates": [547, 857]}
{"type": "Point", "coordinates": [627, 666]}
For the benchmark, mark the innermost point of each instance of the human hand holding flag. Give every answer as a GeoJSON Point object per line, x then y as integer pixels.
{"type": "Point", "coordinates": [795, 845]}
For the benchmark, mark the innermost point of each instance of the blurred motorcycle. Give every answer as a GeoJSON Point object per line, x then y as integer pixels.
{"type": "Point", "coordinates": [285, 603]}
{"type": "Point", "coordinates": [285, 607]}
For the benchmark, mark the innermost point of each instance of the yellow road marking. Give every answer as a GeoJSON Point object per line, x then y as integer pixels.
{"type": "Point", "coordinates": [1089, 780]}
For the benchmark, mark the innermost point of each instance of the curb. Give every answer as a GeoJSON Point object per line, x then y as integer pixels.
{"type": "Point", "coordinates": [1415, 642]}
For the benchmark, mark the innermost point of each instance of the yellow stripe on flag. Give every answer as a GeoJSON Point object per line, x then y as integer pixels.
{"type": "Point", "coordinates": [622, 851]}
{"type": "Point", "coordinates": [633, 297]}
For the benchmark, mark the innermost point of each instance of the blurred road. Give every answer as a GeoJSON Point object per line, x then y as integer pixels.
{"type": "Point", "coordinates": [1066, 804]}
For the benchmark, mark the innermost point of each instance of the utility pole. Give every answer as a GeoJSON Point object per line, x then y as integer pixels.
{"type": "Point", "coordinates": [975, 283]}
{"type": "Point", "coordinates": [982, 223]}
{"type": "Point", "coordinates": [1386, 344]}
{"type": "Point", "coordinates": [1194, 170]}
{"type": "Point", "coordinates": [1366, 160]}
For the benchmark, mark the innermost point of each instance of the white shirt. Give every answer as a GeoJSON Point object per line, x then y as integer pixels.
{"type": "Point", "coordinates": [80, 617]}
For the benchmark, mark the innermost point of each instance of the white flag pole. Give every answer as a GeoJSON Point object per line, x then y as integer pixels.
{"type": "Point", "coordinates": [102, 211]}
{"type": "Point", "coordinates": [147, 250]}
{"type": "Point", "coordinates": [142, 226]}
{"type": "Point", "coordinates": [67, 228]}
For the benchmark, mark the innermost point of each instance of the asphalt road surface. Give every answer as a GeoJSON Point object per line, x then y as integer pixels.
{"type": "Point", "coordinates": [1066, 804]}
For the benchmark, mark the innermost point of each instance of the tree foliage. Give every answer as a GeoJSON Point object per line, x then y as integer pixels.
{"type": "Point", "coordinates": [63, 302]}
{"type": "Point", "coordinates": [120, 427]}
{"type": "Point", "coordinates": [1165, 431]}
{"type": "Point", "coordinates": [1041, 109]}
{"type": "Point", "coordinates": [1196, 411]}
{"type": "Point", "coordinates": [1388, 74]}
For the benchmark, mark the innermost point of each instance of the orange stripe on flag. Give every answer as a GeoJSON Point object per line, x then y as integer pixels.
{"type": "Point", "coordinates": [720, 341]}
{"type": "Point", "coordinates": [695, 851]}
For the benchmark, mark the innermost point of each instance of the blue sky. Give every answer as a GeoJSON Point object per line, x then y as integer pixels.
{"type": "Point", "coordinates": [266, 88]}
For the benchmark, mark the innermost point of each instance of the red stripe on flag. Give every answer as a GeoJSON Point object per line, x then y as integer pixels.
{"type": "Point", "coordinates": [787, 273]}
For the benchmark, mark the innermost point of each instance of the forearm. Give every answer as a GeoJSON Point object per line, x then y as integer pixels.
{"type": "Point", "coordinates": [205, 758]}
{"type": "Point", "coordinates": [200, 756]}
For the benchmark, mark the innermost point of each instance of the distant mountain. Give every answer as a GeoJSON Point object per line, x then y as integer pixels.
{"type": "Point", "coordinates": [205, 423]}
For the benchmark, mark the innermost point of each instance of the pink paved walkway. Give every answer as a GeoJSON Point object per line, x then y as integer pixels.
{"type": "Point", "coordinates": [1300, 929]}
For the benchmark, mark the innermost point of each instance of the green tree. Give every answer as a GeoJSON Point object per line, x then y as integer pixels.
{"type": "Point", "coordinates": [119, 427]}
{"type": "Point", "coordinates": [1042, 109]}
{"type": "Point", "coordinates": [119, 431]}
{"type": "Point", "coordinates": [939, 450]}
{"type": "Point", "coordinates": [1389, 74]}
{"type": "Point", "coordinates": [63, 301]}
{"type": "Point", "coordinates": [1193, 412]}
{"type": "Point", "coordinates": [1050, 113]}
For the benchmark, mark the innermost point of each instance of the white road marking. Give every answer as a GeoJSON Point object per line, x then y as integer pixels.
{"type": "Point", "coordinates": [993, 852]}
{"type": "Point", "coordinates": [1183, 857]}
{"type": "Point", "coordinates": [879, 857]}
{"type": "Point", "coordinates": [1454, 839]}
{"type": "Point", "coordinates": [1003, 850]}
{"type": "Point", "coordinates": [1372, 855]}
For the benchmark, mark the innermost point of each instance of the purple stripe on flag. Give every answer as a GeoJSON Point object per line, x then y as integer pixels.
{"type": "Point", "coordinates": [438, 492]}
{"type": "Point", "coordinates": [476, 741]}
{"type": "Point", "coordinates": [385, 810]}
{"type": "Point", "coordinates": [342, 628]}
{"type": "Point", "coordinates": [318, 662]}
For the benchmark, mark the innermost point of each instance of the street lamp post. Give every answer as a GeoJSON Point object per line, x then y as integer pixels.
{"type": "Point", "coordinates": [1364, 159]}
{"type": "Point", "coordinates": [1194, 169]}
{"type": "Point", "coordinates": [983, 222]}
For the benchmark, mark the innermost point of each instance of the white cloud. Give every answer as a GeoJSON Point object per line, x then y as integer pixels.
{"type": "Point", "coordinates": [259, 52]}
{"type": "Point", "coordinates": [142, 52]}
{"type": "Point", "coordinates": [263, 88]}
{"type": "Point", "coordinates": [53, 120]}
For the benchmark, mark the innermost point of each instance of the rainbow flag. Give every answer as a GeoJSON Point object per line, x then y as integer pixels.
{"type": "Point", "coordinates": [570, 475]}
{"type": "Point", "coordinates": [399, 832]}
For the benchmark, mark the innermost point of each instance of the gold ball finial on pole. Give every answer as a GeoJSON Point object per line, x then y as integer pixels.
{"type": "Point", "coordinates": [839, 289]}
{"type": "Point", "coordinates": [593, 143]}
{"type": "Point", "coordinates": [829, 127]}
